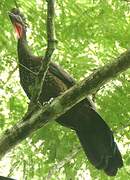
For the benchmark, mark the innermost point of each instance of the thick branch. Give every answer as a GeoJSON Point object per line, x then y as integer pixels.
{"type": "Point", "coordinates": [51, 44]}
{"type": "Point", "coordinates": [63, 103]}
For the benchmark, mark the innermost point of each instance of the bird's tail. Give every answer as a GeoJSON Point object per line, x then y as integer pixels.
{"type": "Point", "coordinates": [98, 143]}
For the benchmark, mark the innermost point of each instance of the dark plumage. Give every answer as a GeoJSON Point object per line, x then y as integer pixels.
{"type": "Point", "coordinates": [94, 134]}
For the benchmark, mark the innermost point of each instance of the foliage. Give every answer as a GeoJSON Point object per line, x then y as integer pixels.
{"type": "Point", "coordinates": [90, 33]}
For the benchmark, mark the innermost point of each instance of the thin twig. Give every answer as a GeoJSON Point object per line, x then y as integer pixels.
{"type": "Point", "coordinates": [10, 74]}
{"type": "Point", "coordinates": [62, 163]}
{"type": "Point", "coordinates": [13, 71]}
{"type": "Point", "coordinates": [16, 4]}
{"type": "Point", "coordinates": [34, 73]}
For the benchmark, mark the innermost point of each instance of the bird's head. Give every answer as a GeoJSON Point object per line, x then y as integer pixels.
{"type": "Point", "coordinates": [18, 22]}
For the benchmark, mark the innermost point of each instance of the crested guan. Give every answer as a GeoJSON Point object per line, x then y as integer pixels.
{"type": "Point", "coordinates": [94, 134]}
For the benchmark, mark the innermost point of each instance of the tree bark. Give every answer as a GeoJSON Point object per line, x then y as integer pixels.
{"type": "Point", "coordinates": [51, 45]}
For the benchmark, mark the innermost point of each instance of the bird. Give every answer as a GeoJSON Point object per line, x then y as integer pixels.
{"type": "Point", "coordinates": [94, 134]}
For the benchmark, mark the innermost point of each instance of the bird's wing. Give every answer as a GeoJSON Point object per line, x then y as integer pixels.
{"type": "Point", "coordinates": [62, 75]}
{"type": "Point", "coordinates": [67, 79]}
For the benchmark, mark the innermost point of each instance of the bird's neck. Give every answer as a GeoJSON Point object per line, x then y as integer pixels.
{"type": "Point", "coordinates": [24, 55]}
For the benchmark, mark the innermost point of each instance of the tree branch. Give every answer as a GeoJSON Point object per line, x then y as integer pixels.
{"type": "Point", "coordinates": [63, 103]}
{"type": "Point", "coordinates": [10, 74]}
{"type": "Point", "coordinates": [51, 44]}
